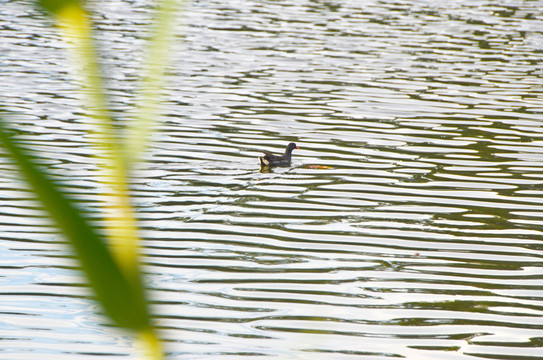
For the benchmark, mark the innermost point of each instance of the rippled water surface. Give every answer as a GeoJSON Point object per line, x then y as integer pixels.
{"type": "Point", "coordinates": [409, 226]}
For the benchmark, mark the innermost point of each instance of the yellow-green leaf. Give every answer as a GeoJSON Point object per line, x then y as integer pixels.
{"type": "Point", "coordinates": [55, 6]}
{"type": "Point", "coordinates": [122, 298]}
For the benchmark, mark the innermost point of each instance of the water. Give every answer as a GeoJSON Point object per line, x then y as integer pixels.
{"type": "Point", "coordinates": [409, 226]}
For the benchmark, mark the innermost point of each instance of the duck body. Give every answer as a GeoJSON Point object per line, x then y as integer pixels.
{"type": "Point", "coordinates": [271, 160]}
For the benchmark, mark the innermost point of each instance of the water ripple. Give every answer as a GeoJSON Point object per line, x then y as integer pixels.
{"type": "Point", "coordinates": [409, 225]}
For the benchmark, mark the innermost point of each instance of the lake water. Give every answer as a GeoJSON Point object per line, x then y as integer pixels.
{"type": "Point", "coordinates": [409, 226]}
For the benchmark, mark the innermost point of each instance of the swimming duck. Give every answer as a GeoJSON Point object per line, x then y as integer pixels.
{"type": "Point", "coordinates": [271, 160]}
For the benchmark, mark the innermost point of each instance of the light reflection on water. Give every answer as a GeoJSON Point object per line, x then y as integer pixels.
{"type": "Point", "coordinates": [409, 225]}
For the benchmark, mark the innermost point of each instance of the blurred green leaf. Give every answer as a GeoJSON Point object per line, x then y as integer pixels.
{"type": "Point", "coordinates": [76, 28]}
{"type": "Point", "coordinates": [152, 80]}
{"type": "Point", "coordinates": [122, 299]}
{"type": "Point", "coordinates": [55, 6]}
{"type": "Point", "coordinates": [112, 268]}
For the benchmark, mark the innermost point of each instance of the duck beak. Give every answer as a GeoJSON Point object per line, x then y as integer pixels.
{"type": "Point", "coordinates": [297, 148]}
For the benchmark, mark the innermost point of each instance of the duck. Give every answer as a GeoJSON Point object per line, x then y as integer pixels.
{"type": "Point", "coordinates": [271, 160]}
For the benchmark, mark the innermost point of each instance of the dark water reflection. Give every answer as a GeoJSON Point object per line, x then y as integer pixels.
{"type": "Point", "coordinates": [410, 225]}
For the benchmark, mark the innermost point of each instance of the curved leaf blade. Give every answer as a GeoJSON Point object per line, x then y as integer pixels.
{"type": "Point", "coordinates": [121, 298]}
